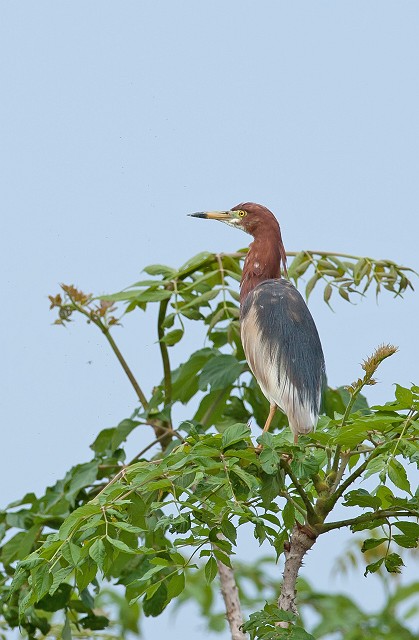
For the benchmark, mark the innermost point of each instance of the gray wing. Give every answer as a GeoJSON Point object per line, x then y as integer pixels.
{"type": "Point", "coordinates": [283, 349]}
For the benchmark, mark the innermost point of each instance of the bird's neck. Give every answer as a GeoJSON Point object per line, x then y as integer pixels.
{"type": "Point", "coordinates": [264, 259]}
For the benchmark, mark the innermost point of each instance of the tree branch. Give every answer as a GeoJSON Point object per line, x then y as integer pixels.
{"type": "Point", "coordinates": [366, 517]}
{"type": "Point", "coordinates": [311, 515]}
{"type": "Point", "coordinates": [231, 599]}
{"type": "Point", "coordinates": [302, 539]}
{"type": "Point", "coordinates": [106, 332]}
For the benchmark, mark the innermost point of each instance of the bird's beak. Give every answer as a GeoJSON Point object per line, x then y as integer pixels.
{"type": "Point", "coordinates": [225, 216]}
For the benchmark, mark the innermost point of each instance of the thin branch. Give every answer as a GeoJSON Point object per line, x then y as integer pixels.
{"type": "Point", "coordinates": [230, 593]}
{"type": "Point", "coordinates": [125, 367]}
{"type": "Point", "coordinates": [341, 470]}
{"type": "Point", "coordinates": [367, 517]}
{"type": "Point", "coordinates": [284, 493]}
{"type": "Point", "coordinates": [164, 352]}
{"type": "Point", "coordinates": [336, 459]}
{"type": "Point", "coordinates": [165, 433]}
{"type": "Point", "coordinates": [115, 349]}
{"type": "Point", "coordinates": [311, 515]}
{"type": "Point", "coordinates": [350, 479]}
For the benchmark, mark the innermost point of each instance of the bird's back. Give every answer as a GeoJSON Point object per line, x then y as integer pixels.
{"type": "Point", "coordinates": [284, 352]}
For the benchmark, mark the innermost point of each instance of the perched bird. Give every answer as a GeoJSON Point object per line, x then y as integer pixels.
{"type": "Point", "coordinates": [278, 333]}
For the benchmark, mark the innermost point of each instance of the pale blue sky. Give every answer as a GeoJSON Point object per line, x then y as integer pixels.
{"type": "Point", "coordinates": [118, 118]}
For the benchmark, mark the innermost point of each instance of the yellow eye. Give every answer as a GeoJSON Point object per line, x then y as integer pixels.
{"type": "Point", "coordinates": [241, 213]}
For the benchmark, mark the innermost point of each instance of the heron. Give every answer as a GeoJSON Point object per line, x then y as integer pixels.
{"type": "Point", "coordinates": [280, 339]}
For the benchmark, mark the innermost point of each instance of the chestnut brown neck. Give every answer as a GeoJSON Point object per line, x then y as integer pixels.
{"type": "Point", "coordinates": [266, 259]}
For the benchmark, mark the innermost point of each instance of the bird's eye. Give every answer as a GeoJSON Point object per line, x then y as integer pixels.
{"type": "Point", "coordinates": [241, 213]}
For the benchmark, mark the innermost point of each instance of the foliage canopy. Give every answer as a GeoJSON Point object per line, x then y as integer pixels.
{"type": "Point", "coordinates": [162, 524]}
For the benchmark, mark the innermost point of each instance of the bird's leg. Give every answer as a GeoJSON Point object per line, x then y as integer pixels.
{"type": "Point", "coordinates": [267, 424]}
{"type": "Point", "coordinates": [269, 419]}
{"type": "Point", "coordinates": [296, 438]}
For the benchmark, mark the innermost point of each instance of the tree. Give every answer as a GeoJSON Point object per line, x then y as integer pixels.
{"type": "Point", "coordinates": [164, 525]}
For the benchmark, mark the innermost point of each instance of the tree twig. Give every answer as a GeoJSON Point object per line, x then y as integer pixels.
{"type": "Point", "coordinates": [106, 332]}
{"type": "Point", "coordinates": [341, 470]}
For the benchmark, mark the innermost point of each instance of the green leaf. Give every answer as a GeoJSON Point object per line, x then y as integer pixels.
{"type": "Point", "coordinates": [393, 562]}
{"type": "Point", "coordinates": [397, 474]}
{"type": "Point", "coordinates": [373, 567]}
{"type": "Point", "coordinates": [269, 458]}
{"type": "Point", "coordinates": [41, 580]}
{"type": "Point", "coordinates": [197, 261]}
{"type": "Point", "coordinates": [154, 605]}
{"type": "Point", "coordinates": [211, 570]}
{"type": "Point", "coordinates": [19, 546]}
{"type": "Point", "coordinates": [221, 556]}
{"type": "Point", "coordinates": [122, 431]}
{"type": "Point", "coordinates": [160, 270]}
{"type": "Point", "coordinates": [327, 293]}
{"type": "Point", "coordinates": [86, 574]}
{"type": "Point", "coordinates": [185, 379]}
{"type": "Point", "coordinates": [60, 597]}
{"type": "Point", "coordinates": [75, 518]}
{"type": "Point", "coordinates": [59, 578]}
{"type": "Point", "coordinates": [83, 475]}
{"type": "Point", "coordinates": [299, 265]}
{"type": "Point", "coordinates": [121, 546]}
{"type": "Point", "coordinates": [98, 552]}
{"type": "Point", "coordinates": [220, 372]}
{"type": "Point", "coordinates": [288, 515]}
{"type": "Point", "coordinates": [93, 622]}
{"type": "Point", "coordinates": [172, 337]}
{"type": "Point", "coordinates": [247, 478]}
{"type": "Point", "coordinates": [229, 530]}
{"type": "Point", "coordinates": [198, 301]}
{"type": "Point", "coordinates": [235, 433]}
{"type": "Point", "coordinates": [361, 498]}
{"type": "Point", "coordinates": [211, 407]}
{"type": "Point", "coordinates": [410, 529]}
{"type": "Point", "coordinates": [352, 434]}
{"type": "Point", "coordinates": [404, 397]}
{"type": "Point", "coordinates": [311, 284]}
{"type": "Point", "coordinates": [176, 585]}
{"type": "Point", "coordinates": [371, 543]}
{"type": "Point", "coordinates": [405, 541]}
{"type": "Point", "coordinates": [126, 526]}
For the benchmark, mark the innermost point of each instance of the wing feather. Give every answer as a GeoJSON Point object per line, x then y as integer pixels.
{"type": "Point", "coordinates": [284, 352]}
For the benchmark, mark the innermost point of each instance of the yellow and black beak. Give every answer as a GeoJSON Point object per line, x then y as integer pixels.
{"type": "Point", "coordinates": [224, 216]}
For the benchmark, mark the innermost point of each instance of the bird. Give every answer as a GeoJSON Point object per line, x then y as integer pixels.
{"type": "Point", "coordinates": [280, 339]}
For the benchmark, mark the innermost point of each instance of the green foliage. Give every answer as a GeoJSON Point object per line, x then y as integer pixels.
{"type": "Point", "coordinates": [159, 525]}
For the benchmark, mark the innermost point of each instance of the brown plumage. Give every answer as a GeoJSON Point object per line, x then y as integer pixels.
{"type": "Point", "coordinates": [279, 337]}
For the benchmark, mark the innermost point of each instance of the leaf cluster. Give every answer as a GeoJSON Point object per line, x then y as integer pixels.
{"type": "Point", "coordinates": [155, 523]}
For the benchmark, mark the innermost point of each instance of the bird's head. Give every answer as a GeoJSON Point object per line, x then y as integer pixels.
{"type": "Point", "coordinates": [250, 217]}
